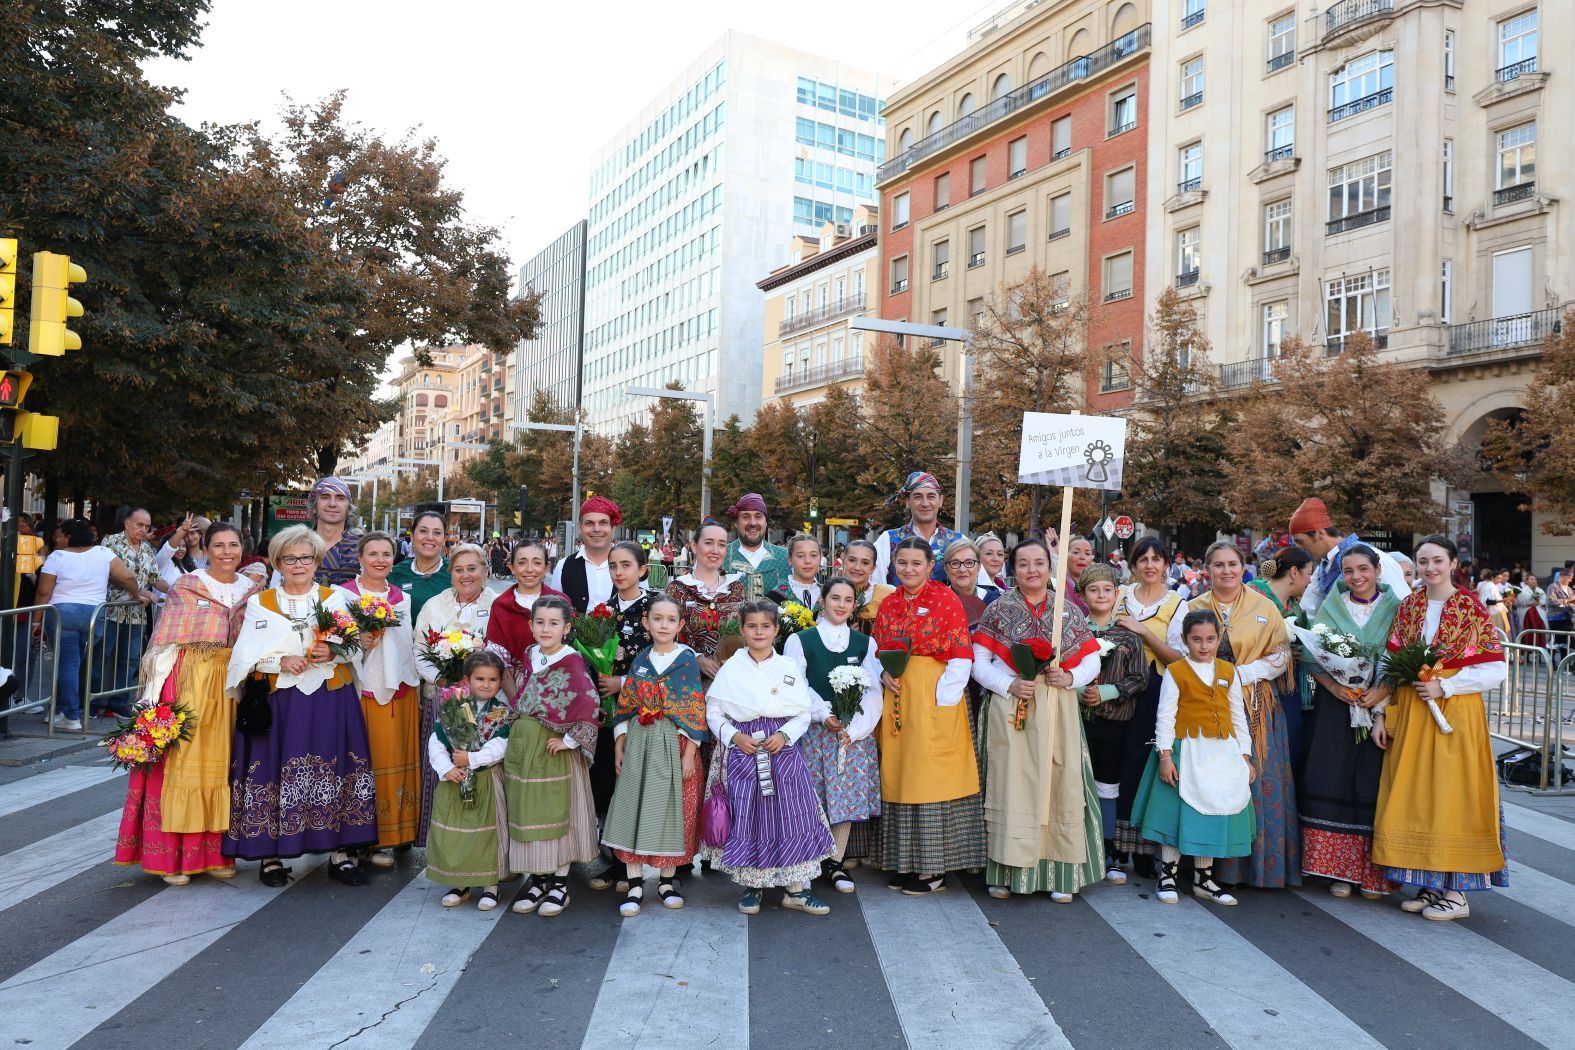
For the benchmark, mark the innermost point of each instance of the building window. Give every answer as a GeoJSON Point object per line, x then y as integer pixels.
{"type": "Point", "coordinates": [1274, 316]}
{"type": "Point", "coordinates": [976, 247]}
{"type": "Point", "coordinates": [1277, 231]}
{"type": "Point", "coordinates": [943, 260]}
{"type": "Point", "coordinates": [1449, 175]}
{"type": "Point", "coordinates": [899, 275]}
{"type": "Point", "coordinates": [976, 176]}
{"type": "Point", "coordinates": [976, 311]}
{"type": "Point", "coordinates": [899, 211]}
{"type": "Point", "coordinates": [1189, 166]}
{"type": "Point", "coordinates": [1116, 371]}
{"type": "Point", "coordinates": [1060, 215]}
{"type": "Point", "coordinates": [1118, 277]}
{"type": "Point", "coordinates": [1358, 303]}
{"type": "Point", "coordinates": [1361, 84]}
{"type": "Point", "coordinates": [1359, 193]}
{"type": "Point", "coordinates": [934, 124]}
{"type": "Point", "coordinates": [904, 140]}
{"type": "Point", "coordinates": [1446, 292]}
{"type": "Point", "coordinates": [1517, 46]}
{"type": "Point", "coordinates": [842, 289]}
{"type": "Point", "coordinates": [1189, 247]}
{"type": "Point", "coordinates": [836, 348]}
{"type": "Point", "coordinates": [1002, 88]}
{"type": "Point", "coordinates": [825, 296]}
{"type": "Point", "coordinates": [1061, 138]}
{"type": "Point", "coordinates": [1449, 60]}
{"type": "Point", "coordinates": [938, 318]}
{"type": "Point", "coordinates": [1120, 190]}
{"type": "Point", "coordinates": [1192, 83]}
{"type": "Point", "coordinates": [1516, 175]}
{"type": "Point", "coordinates": [966, 106]}
{"type": "Point", "coordinates": [1017, 157]}
{"type": "Point", "coordinates": [1017, 231]}
{"type": "Point", "coordinates": [1282, 41]}
{"type": "Point", "coordinates": [858, 284]}
{"type": "Point", "coordinates": [1281, 134]}
{"type": "Point", "coordinates": [1123, 111]}
{"type": "Point", "coordinates": [943, 190]}
{"type": "Point", "coordinates": [787, 307]}
{"type": "Point", "coordinates": [1191, 13]}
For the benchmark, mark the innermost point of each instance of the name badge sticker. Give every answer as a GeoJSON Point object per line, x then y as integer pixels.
{"type": "Point", "coordinates": [1263, 619]}
{"type": "Point", "coordinates": [924, 612]}
{"type": "Point", "coordinates": [788, 679]}
{"type": "Point", "coordinates": [1223, 682]}
{"type": "Point", "coordinates": [261, 625]}
{"type": "Point", "coordinates": [203, 603]}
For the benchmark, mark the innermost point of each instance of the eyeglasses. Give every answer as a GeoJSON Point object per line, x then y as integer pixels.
{"type": "Point", "coordinates": [297, 559]}
{"type": "Point", "coordinates": [958, 563]}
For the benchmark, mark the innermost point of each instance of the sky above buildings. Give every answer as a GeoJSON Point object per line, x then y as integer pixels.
{"type": "Point", "coordinates": [521, 95]}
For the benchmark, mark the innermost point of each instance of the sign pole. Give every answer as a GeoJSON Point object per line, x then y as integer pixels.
{"type": "Point", "coordinates": [1060, 567]}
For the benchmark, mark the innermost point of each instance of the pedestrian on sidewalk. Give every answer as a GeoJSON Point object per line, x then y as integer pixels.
{"type": "Point", "coordinates": [128, 623]}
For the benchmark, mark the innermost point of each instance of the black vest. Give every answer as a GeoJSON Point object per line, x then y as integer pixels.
{"type": "Point", "coordinates": [574, 582]}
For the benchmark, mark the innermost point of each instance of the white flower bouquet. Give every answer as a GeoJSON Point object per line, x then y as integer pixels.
{"type": "Point", "coordinates": [848, 685]}
{"type": "Point", "coordinates": [1352, 666]}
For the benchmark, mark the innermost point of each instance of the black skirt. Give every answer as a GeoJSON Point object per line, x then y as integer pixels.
{"type": "Point", "coordinates": [1339, 789]}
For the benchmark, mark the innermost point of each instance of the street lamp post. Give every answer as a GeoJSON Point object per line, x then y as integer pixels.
{"type": "Point", "coordinates": [705, 434]}
{"type": "Point", "coordinates": [964, 406]}
{"type": "Point", "coordinates": [374, 477]}
{"type": "Point", "coordinates": [441, 461]}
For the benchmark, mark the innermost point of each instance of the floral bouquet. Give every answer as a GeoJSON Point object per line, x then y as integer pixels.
{"type": "Point", "coordinates": [596, 638]}
{"type": "Point", "coordinates": [373, 615]}
{"type": "Point", "coordinates": [792, 618]}
{"type": "Point", "coordinates": [465, 732]}
{"type": "Point", "coordinates": [148, 734]}
{"type": "Point", "coordinates": [1352, 665]}
{"type": "Point", "coordinates": [337, 629]}
{"type": "Point", "coordinates": [1417, 662]}
{"type": "Point", "coordinates": [1030, 659]}
{"type": "Point", "coordinates": [448, 650]}
{"type": "Point", "coordinates": [651, 697]}
{"type": "Point", "coordinates": [894, 662]}
{"type": "Point", "coordinates": [848, 684]}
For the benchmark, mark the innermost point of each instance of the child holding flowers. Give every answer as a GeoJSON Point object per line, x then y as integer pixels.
{"type": "Point", "coordinates": [658, 727]}
{"type": "Point", "coordinates": [840, 743]}
{"type": "Point", "coordinates": [468, 845]}
{"type": "Point", "coordinates": [552, 821]}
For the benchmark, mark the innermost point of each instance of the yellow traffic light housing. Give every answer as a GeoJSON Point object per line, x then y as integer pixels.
{"type": "Point", "coordinates": [53, 276]}
{"type": "Point", "coordinates": [39, 432]}
{"type": "Point", "coordinates": [8, 250]}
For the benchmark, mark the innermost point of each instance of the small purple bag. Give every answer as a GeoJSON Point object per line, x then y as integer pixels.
{"type": "Point", "coordinates": [716, 816]}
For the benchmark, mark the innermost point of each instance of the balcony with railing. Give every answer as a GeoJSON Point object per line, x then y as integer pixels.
{"type": "Point", "coordinates": [1237, 374]}
{"type": "Point", "coordinates": [1276, 255]}
{"type": "Point", "coordinates": [1192, 101]}
{"type": "Point", "coordinates": [1510, 194]}
{"type": "Point", "coordinates": [1190, 185]}
{"type": "Point", "coordinates": [941, 271]}
{"type": "Point", "coordinates": [1357, 221]}
{"type": "Point", "coordinates": [1506, 333]}
{"type": "Point", "coordinates": [1516, 70]}
{"type": "Point", "coordinates": [1279, 62]}
{"type": "Point", "coordinates": [831, 372]}
{"type": "Point", "coordinates": [1362, 105]}
{"type": "Point", "coordinates": [1118, 295]}
{"type": "Point", "coordinates": [851, 304]}
{"type": "Point", "coordinates": [1284, 152]}
{"type": "Point", "coordinates": [1119, 209]}
{"type": "Point", "coordinates": [1348, 13]}
{"type": "Point", "coordinates": [1065, 231]}
{"type": "Point", "coordinates": [898, 287]}
{"type": "Point", "coordinates": [1192, 19]}
{"type": "Point", "coordinates": [1187, 280]}
{"type": "Point", "coordinates": [1071, 71]}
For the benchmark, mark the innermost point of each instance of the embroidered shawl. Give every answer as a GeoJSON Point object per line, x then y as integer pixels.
{"type": "Point", "coordinates": [1011, 619]}
{"type": "Point", "coordinates": [773, 571]}
{"type": "Point", "coordinates": [561, 697]}
{"type": "Point", "coordinates": [1334, 612]}
{"type": "Point", "coordinates": [1253, 626]}
{"type": "Point", "coordinates": [1465, 634]}
{"type": "Point", "coordinates": [684, 701]}
{"type": "Point", "coordinates": [696, 608]}
{"type": "Point", "coordinates": [931, 623]}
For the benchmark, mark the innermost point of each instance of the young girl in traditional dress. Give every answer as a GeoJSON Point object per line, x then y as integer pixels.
{"type": "Point", "coordinates": [552, 821]}
{"type": "Point", "coordinates": [804, 566]}
{"type": "Point", "coordinates": [758, 707]}
{"type": "Point", "coordinates": [658, 729]}
{"type": "Point", "coordinates": [843, 762]}
{"type": "Point", "coordinates": [1198, 802]}
{"type": "Point", "coordinates": [468, 844]}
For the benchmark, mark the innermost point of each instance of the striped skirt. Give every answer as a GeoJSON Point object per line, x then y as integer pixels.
{"type": "Point", "coordinates": [777, 839]}
{"type": "Point", "coordinates": [932, 837]}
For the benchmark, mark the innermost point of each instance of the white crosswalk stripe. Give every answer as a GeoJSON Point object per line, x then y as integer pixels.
{"type": "Point", "coordinates": [951, 979]}
{"type": "Point", "coordinates": [1539, 890]}
{"type": "Point", "coordinates": [384, 986]}
{"type": "Point", "coordinates": [31, 870]}
{"type": "Point", "coordinates": [89, 980]}
{"type": "Point", "coordinates": [1550, 829]}
{"type": "Point", "coordinates": [46, 787]}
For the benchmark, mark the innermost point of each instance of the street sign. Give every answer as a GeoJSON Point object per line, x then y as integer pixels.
{"type": "Point", "coordinates": [1108, 527]}
{"type": "Point", "coordinates": [842, 521]}
{"type": "Point", "coordinates": [1125, 527]}
{"type": "Point", "coordinates": [1086, 452]}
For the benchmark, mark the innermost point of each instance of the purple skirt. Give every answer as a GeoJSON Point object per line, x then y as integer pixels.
{"type": "Point", "coordinates": [782, 830]}
{"type": "Point", "coordinates": [307, 786]}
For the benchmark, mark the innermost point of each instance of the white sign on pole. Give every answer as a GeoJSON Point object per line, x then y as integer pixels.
{"type": "Point", "coordinates": [1085, 452]}
{"type": "Point", "coordinates": [1109, 529]}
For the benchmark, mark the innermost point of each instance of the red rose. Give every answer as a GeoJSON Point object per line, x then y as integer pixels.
{"type": "Point", "coordinates": [1041, 649]}
{"type": "Point", "coordinates": [601, 612]}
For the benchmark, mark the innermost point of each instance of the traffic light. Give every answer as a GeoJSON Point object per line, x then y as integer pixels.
{"type": "Point", "coordinates": [7, 289]}
{"type": "Point", "coordinates": [53, 276]}
{"type": "Point", "coordinates": [814, 508]}
{"type": "Point", "coordinates": [35, 430]}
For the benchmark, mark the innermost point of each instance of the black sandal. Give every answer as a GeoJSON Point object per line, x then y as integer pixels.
{"type": "Point", "coordinates": [556, 900]}
{"type": "Point", "coordinates": [667, 889]}
{"type": "Point", "coordinates": [347, 872]}
{"type": "Point", "coordinates": [1167, 882]}
{"type": "Point", "coordinates": [530, 896]}
{"type": "Point", "coordinates": [633, 899]}
{"type": "Point", "coordinates": [273, 873]}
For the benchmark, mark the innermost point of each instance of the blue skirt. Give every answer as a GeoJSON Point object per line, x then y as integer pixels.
{"type": "Point", "coordinates": [1159, 812]}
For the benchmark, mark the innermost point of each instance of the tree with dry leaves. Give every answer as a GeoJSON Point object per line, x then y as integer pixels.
{"type": "Point", "coordinates": [1364, 436]}
{"type": "Point", "coordinates": [1534, 452]}
{"type": "Point", "coordinates": [1175, 470]}
{"type": "Point", "coordinates": [907, 422]}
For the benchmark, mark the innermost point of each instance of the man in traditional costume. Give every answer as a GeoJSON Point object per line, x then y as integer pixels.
{"type": "Point", "coordinates": [1314, 532]}
{"type": "Point", "coordinates": [764, 564]}
{"type": "Point", "coordinates": [584, 575]}
{"type": "Point", "coordinates": [329, 507]}
{"type": "Point", "coordinates": [923, 495]}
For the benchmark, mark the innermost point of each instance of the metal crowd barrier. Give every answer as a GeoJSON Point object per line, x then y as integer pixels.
{"type": "Point", "coordinates": [33, 661]}
{"type": "Point", "coordinates": [1528, 708]}
{"type": "Point", "coordinates": [111, 670]}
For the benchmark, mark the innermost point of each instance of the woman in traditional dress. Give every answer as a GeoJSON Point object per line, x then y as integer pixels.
{"type": "Point", "coordinates": [858, 565]}
{"type": "Point", "coordinates": [466, 605]}
{"type": "Point", "coordinates": [1110, 702]}
{"type": "Point", "coordinates": [552, 819]}
{"type": "Point", "coordinates": [304, 785]}
{"type": "Point", "coordinates": [658, 727]}
{"type": "Point", "coordinates": [424, 574]}
{"type": "Point", "coordinates": [932, 815]}
{"type": "Point", "coordinates": [1283, 579]}
{"type": "Point", "coordinates": [843, 761]}
{"type": "Point", "coordinates": [1079, 556]}
{"type": "Point", "coordinates": [1041, 806]}
{"type": "Point", "coordinates": [1439, 823]}
{"type": "Point", "coordinates": [1338, 793]}
{"type": "Point", "coordinates": [177, 809]}
{"type": "Point", "coordinates": [992, 561]}
{"type": "Point", "coordinates": [1153, 612]}
{"type": "Point", "coordinates": [707, 596]}
{"type": "Point", "coordinates": [391, 703]}
{"type": "Point", "coordinates": [961, 562]}
{"type": "Point", "coordinates": [1529, 600]}
{"type": "Point", "coordinates": [803, 582]}
{"type": "Point", "coordinates": [508, 622]}
{"type": "Point", "coordinates": [1256, 640]}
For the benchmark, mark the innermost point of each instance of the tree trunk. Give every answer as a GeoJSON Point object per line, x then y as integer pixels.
{"type": "Point", "coordinates": [1035, 505]}
{"type": "Point", "coordinates": [51, 498]}
{"type": "Point", "coordinates": [327, 460]}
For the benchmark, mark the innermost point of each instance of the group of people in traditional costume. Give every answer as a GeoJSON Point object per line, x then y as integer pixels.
{"type": "Point", "coordinates": [1155, 727]}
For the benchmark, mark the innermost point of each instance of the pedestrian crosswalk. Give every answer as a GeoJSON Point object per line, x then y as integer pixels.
{"type": "Point", "coordinates": [92, 952]}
